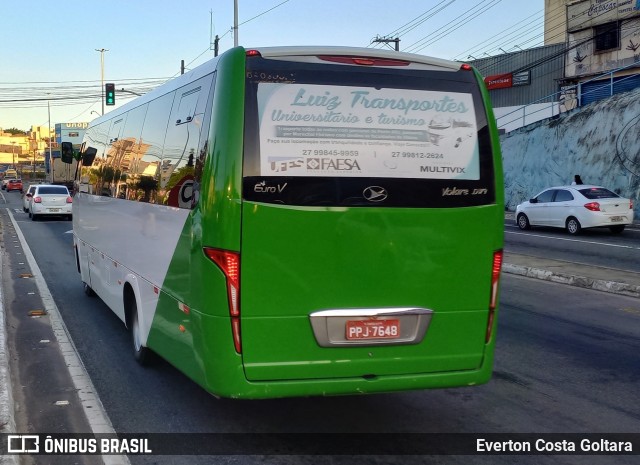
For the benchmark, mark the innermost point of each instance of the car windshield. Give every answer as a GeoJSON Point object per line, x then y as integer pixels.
{"type": "Point", "coordinates": [598, 193]}
{"type": "Point", "coordinates": [59, 190]}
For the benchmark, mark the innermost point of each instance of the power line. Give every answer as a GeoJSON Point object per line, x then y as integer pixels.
{"type": "Point", "coordinates": [454, 25]}
{"type": "Point", "coordinates": [421, 19]}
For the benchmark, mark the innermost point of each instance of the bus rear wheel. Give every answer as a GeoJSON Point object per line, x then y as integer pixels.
{"type": "Point", "coordinates": [141, 353]}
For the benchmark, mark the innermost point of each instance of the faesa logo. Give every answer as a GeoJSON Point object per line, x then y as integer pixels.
{"type": "Point", "coordinates": [263, 188]}
{"type": "Point", "coordinates": [332, 164]}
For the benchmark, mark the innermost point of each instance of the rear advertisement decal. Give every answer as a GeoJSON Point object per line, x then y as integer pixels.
{"type": "Point", "coordinates": [323, 130]}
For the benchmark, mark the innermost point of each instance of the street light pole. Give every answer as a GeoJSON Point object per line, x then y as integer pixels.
{"type": "Point", "coordinates": [235, 23]}
{"type": "Point", "coordinates": [102, 50]}
{"type": "Point", "coordinates": [13, 151]}
{"type": "Point", "coordinates": [50, 157]}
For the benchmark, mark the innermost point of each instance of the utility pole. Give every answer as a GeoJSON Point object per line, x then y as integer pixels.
{"type": "Point", "coordinates": [102, 50]}
{"type": "Point", "coordinates": [50, 157]}
{"type": "Point", "coordinates": [235, 23]}
{"type": "Point", "coordinates": [386, 40]}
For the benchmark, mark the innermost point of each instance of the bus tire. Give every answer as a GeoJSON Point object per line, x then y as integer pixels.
{"type": "Point", "coordinates": [88, 291]}
{"type": "Point", "coordinates": [141, 353]}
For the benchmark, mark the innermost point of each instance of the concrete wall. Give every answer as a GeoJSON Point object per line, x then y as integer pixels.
{"type": "Point", "coordinates": [600, 142]}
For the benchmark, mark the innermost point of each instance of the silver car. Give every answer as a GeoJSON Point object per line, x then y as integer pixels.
{"type": "Point", "coordinates": [48, 199]}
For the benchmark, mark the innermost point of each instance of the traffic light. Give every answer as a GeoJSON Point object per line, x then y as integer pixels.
{"type": "Point", "coordinates": [110, 93]}
{"type": "Point", "coordinates": [66, 152]}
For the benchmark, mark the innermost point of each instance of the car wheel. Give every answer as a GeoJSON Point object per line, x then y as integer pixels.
{"type": "Point", "coordinates": [141, 354]}
{"type": "Point", "coordinates": [523, 221]}
{"type": "Point", "coordinates": [617, 229]}
{"type": "Point", "coordinates": [573, 226]}
{"type": "Point", "coordinates": [33, 216]}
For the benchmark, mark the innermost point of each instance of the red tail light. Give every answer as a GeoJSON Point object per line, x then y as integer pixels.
{"type": "Point", "coordinates": [593, 206]}
{"type": "Point", "coordinates": [493, 299]}
{"type": "Point", "coordinates": [252, 53]}
{"type": "Point", "coordinates": [630, 204]}
{"type": "Point", "coordinates": [69, 200]}
{"type": "Point", "coordinates": [466, 67]}
{"type": "Point", "coordinates": [37, 200]}
{"type": "Point", "coordinates": [229, 264]}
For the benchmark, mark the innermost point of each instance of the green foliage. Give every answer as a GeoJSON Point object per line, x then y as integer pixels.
{"type": "Point", "coordinates": [15, 132]}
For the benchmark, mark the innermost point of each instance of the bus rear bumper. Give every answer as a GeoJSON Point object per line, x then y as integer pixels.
{"type": "Point", "coordinates": [244, 389]}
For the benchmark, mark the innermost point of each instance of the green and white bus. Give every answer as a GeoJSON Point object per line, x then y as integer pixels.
{"type": "Point", "coordinates": [301, 221]}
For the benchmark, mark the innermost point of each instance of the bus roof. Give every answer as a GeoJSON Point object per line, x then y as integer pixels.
{"type": "Point", "coordinates": [275, 52]}
{"type": "Point", "coordinates": [281, 52]}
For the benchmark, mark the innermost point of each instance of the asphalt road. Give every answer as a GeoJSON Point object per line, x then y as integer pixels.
{"type": "Point", "coordinates": [597, 246]}
{"type": "Point", "coordinates": [566, 361]}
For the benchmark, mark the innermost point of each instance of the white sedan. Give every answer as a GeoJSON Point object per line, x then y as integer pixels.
{"type": "Point", "coordinates": [576, 207]}
{"type": "Point", "coordinates": [50, 199]}
{"type": "Point", "coordinates": [26, 198]}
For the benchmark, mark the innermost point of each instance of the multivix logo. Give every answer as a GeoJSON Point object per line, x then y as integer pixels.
{"type": "Point", "coordinates": [375, 194]}
{"type": "Point", "coordinates": [262, 187]}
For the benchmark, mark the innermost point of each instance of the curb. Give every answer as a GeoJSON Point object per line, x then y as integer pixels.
{"type": "Point", "coordinates": [7, 414]}
{"type": "Point", "coordinates": [573, 280]}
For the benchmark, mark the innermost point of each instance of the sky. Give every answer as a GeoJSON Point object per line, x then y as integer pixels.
{"type": "Point", "coordinates": [51, 70]}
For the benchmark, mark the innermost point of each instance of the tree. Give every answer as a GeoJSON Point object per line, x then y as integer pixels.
{"type": "Point", "coordinates": [15, 132]}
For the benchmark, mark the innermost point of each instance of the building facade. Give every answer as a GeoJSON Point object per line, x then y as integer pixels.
{"type": "Point", "coordinates": [603, 49]}
{"type": "Point", "coordinates": [21, 150]}
{"type": "Point", "coordinates": [591, 51]}
{"type": "Point", "coordinates": [523, 85]}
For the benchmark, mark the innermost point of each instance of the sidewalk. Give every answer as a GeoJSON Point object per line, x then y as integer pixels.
{"type": "Point", "coordinates": [574, 274]}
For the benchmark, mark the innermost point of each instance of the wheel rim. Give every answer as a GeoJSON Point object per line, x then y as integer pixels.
{"type": "Point", "coordinates": [572, 226]}
{"type": "Point", "coordinates": [522, 222]}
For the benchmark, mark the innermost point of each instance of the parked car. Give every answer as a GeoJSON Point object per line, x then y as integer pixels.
{"type": "Point", "coordinates": [27, 197]}
{"type": "Point", "coordinates": [14, 185]}
{"type": "Point", "coordinates": [576, 207]}
{"type": "Point", "coordinates": [48, 199]}
{"type": "Point", "coordinates": [5, 181]}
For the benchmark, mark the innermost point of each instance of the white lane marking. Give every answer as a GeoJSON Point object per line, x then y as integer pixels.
{"type": "Point", "coordinates": [605, 244]}
{"type": "Point", "coordinates": [634, 228]}
{"type": "Point", "coordinates": [94, 410]}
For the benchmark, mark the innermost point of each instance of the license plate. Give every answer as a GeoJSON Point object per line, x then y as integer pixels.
{"type": "Point", "coordinates": [617, 218]}
{"type": "Point", "coordinates": [54, 210]}
{"type": "Point", "coordinates": [372, 329]}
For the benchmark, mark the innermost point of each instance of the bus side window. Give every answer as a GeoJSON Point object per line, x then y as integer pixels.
{"type": "Point", "coordinates": [203, 145]}
{"type": "Point", "coordinates": [143, 181]}
{"type": "Point", "coordinates": [181, 144]}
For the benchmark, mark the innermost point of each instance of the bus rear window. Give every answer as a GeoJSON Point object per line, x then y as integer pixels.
{"type": "Point", "coordinates": [322, 134]}
{"type": "Point", "coordinates": [348, 131]}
